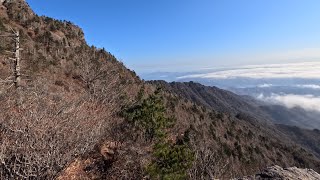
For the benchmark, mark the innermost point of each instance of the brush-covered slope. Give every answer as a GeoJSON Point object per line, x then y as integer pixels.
{"type": "Point", "coordinates": [251, 109]}
{"type": "Point", "coordinates": [228, 146]}
{"type": "Point", "coordinates": [70, 94]}
{"type": "Point", "coordinates": [214, 98]}
{"type": "Point", "coordinates": [310, 139]}
{"type": "Point", "coordinates": [246, 113]}
{"type": "Point", "coordinates": [80, 114]}
{"type": "Point", "coordinates": [294, 116]}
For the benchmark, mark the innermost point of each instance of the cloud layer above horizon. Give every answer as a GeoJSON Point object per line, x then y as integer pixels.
{"type": "Point", "coordinates": [305, 70]}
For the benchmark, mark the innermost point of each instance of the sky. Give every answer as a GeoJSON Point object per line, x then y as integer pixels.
{"type": "Point", "coordinates": [183, 35]}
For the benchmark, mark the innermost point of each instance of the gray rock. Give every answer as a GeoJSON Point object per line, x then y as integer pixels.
{"type": "Point", "coordinates": [279, 173]}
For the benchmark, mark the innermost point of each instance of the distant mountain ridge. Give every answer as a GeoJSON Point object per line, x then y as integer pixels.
{"type": "Point", "coordinates": [213, 97]}
{"type": "Point", "coordinates": [248, 108]}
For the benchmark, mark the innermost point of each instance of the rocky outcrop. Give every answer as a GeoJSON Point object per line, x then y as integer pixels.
{"type": "Point", "coordinates": [277, 172]}
{"type": "Point", "coordinates": [94, 165]}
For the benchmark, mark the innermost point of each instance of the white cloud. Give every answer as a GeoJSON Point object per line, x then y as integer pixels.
{"type": "Point", "coordinates": [307, 102]}
{"type": "Point", "coordinates": [309, 86]}
{"type": "Point", "coordinates": [309, 70]}
{"type": "Point", "coordinates": [265, 85]}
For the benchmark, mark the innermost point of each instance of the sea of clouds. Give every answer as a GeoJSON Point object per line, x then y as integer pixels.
{"type": "Point", "coordinates": [291, 85]}
{"type": "Point", "coordinates": [305, 70]}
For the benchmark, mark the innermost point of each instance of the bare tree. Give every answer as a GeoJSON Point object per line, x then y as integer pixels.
{"type": "Point", "coordinates": [208, 165]}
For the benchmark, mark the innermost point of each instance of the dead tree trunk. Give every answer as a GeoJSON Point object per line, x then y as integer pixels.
{"type": "Point", "coordinates": [16, 70]}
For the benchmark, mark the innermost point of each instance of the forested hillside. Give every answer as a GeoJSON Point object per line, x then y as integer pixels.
{"type": "Point", "coordinates": [79, 113]}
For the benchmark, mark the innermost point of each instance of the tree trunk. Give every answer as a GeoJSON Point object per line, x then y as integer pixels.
{"type": "Point", "coordinates": [17, 74]}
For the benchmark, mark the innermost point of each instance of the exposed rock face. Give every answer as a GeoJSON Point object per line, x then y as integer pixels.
{"type": "Point", "coordinates": [94, 165]}
{"type": "Point", "coordinates": [277, 172]}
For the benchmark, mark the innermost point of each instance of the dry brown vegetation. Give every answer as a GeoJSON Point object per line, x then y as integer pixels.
{"type": "Point", "coordinates": [68, 103]}
{"type": "Point", "coordinates": [238, 143]}
{"type": "Point", "coordinates": [66, 121]}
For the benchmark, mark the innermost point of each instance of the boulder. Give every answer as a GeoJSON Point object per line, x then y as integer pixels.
{"type": "Point", "coordinates": [277, 173]}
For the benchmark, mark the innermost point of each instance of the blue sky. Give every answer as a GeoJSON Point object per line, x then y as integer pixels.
{"type": "Point", "coordinates": [176, 35]}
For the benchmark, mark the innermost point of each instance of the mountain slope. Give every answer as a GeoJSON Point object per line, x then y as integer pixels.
{"type": "Point", "coordinates": [215, 98]}
{"type": "Point", "coordinates": [294, 117]}
{"type": "Point", "coordinates": [68, 100]}
{"type": "Point", "coordinates": [240, 109]}
{"type": "Point", "coordinates": [227, 146]}
{"type": "Point", "coordinates": [81, 114]}
{"type": "Point", "coordinates": [310, 139]}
